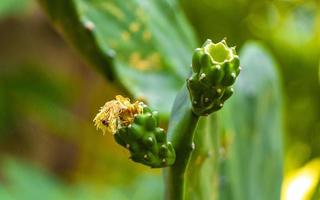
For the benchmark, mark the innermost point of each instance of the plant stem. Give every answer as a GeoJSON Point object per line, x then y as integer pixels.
{"type": "Point", "coordinates": [182, 140]}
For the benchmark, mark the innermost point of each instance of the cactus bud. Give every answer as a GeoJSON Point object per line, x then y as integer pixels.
{"type": "Point", "coordinates": [215, 68]}
{"type": "Point", "coordinates": [135, 127]}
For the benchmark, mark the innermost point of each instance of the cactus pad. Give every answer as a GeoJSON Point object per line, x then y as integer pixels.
{"type": "Point", "coordinates": [215, 68]}
{"type": "Point", "coordinates": [136, 127]}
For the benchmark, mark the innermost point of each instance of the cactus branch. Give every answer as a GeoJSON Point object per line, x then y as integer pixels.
{"type": "Point", "coordinates": [181, 132]}
{"type": "Point", "coordinates": [215, 68]}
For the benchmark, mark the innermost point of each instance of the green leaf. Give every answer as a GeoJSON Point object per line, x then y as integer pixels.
{"type": "Point", "coordinates": [145, 45]}
{"type": "Point", "coordinates": [251, 141]}
{"type": "Point", "coordinates": [13, 7]}
{"type": "Point", "coordinates": [26, 181]}
{"type": "Point", "coordinates": [33, 93]}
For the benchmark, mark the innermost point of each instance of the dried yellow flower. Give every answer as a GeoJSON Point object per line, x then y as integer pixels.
{"type": "Point", "coordinates": [117, 113]}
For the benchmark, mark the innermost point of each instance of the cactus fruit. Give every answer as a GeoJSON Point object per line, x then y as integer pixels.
{"type": "Point", "coordinates": [215, 68]}
{"type": "Point", "coordinates": [136, 127]}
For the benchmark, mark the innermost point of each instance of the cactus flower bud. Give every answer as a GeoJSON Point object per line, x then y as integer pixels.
{"type": "Point", "coordinates": [135, 127]}
{"type": "Point", "coordinates": [215, 68]}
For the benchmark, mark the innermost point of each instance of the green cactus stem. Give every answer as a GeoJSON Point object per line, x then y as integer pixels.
{"type": "Point", "coordinates": [215, 68]}
{"type": "Point", "coordinates": [181, 130]}
{"type": "Point", "coordinates": [136, 127]}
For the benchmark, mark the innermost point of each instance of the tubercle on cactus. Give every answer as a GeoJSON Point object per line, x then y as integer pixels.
{"type": "Point", "coordinates": [136, 127]}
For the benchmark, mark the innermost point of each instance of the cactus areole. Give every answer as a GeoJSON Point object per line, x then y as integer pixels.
{"type": "Point", "coordinates": [215, 68]}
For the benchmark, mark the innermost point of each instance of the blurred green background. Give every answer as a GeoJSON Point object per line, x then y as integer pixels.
{"type": "Point", "coordinates": [49, 148]}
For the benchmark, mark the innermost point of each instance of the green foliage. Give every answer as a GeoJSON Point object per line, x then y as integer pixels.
{"type": "Point", "coordinates": [251, 139]}
{"type": "Point", "coordinates": [215, 68]}
{"type": "Point", "coordinates": [12, 7]}
{"type": "Point", "coordinates": [146, 141]}
{"type": "Point", "coordinates": [21, 174]}
{"type": "Point", "coordinates": [32, 93]}
{"type": "Point", "coordinates": [143, 45]}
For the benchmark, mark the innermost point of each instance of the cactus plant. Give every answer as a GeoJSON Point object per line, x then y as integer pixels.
{"type": "Point", "coordinates": [147, 53]}
{"type": "Point", "coordinates": [135, 126]}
